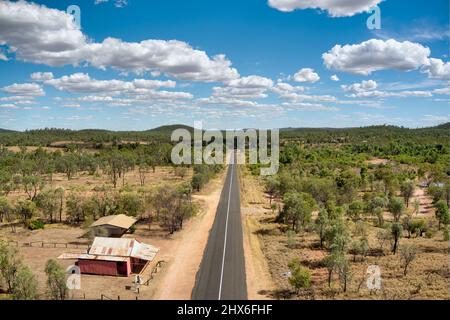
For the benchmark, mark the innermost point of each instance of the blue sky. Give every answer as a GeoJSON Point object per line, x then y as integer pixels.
{"type": "Point", "coordinates": [138, 64]}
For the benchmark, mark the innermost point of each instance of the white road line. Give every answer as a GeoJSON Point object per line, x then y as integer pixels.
{"type": "Point", "coordinates": [226, 232]}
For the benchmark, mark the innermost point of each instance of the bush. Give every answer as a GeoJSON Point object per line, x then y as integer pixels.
{"type": "Point", "coordinates": [36, 225]}
{"type": "Point", "coordinates": [430, 233]}
{"type": "Point", "coordinates": [25, 285]}
{"type": "Point", "coordinates": [300, 276]}
{"type": "Point", "coordinates": [417, 227]}
{"type": "Point", "coordinates": [408, 254]}
{"type": "Point", "coordinates": [446, 234]}
{"type": "Point", "coordinates": [290, 239]}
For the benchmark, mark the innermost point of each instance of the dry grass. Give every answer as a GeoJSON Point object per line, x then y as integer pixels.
{"type": "Point", "coordinates": [112, 287]}
{"type": "Point", "coordinates": [427, 278]}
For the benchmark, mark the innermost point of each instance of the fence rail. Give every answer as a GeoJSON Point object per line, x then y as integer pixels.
{"type": "Point", "coordinates": [154, 271]}
{"type": "Point", "coordinates": [43, 244]}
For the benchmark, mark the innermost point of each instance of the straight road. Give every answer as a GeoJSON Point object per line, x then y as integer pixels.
{"type": "Point", "coordinates": [222, 271]}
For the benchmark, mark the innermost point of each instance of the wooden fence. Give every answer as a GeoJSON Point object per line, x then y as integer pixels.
{"type": "Point", "coordinates": [154, 271]}
{"type": "Point", "coordinates": [43, 244]}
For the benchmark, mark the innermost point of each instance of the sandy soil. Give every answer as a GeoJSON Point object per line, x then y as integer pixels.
{"type": "Point", "coordinates": [186, 253]}
{"type": "Point", "coordinates": [378, 161]}
{"type": "Point", "coordinates": [426, 203]}
{"type": "Point", "coordinates": [259, 281]}
{"type": "Point", "coordinates": [427, 278]}
{"type": "Point", "coordinates": [180, 252]}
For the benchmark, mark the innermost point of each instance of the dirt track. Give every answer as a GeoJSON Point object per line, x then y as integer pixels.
{"type": "Point", "coordinates": [184, 260]}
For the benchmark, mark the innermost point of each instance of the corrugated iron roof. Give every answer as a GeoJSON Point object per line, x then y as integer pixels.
{"type": "Point", "coordinates": [102, 258]}
{"type": "Point", "coordinates": [69, 256]}
{"type": "Point", "coordinates": [122, 247]}
{"type": "Point", "coordinates": [120, 220]}
{"type": "Point", "coordinates": [144, 251]}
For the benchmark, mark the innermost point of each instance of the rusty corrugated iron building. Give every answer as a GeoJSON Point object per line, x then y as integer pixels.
{"type": "Point", "coordinates": [116, 257]}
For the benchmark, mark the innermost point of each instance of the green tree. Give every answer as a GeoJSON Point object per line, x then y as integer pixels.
{"type": "Point", "coordinates": [25, 210]}
{"type": "Point", "coordinates": [75, 208]}
{"type": "Point", "coordinates": [129, 203]}
{"type": "Point", "coordinates": [7, 212]}
{"type": "Point", "coordinates": [382, 237]}
{"type": "Point", "coordinates": [10, 263]}
{"type": "Point", "coordinates": [360, 247]}
{"type": "Point", "coordinates": [322, 223]}
{"type": "Point", "coordinates": [379, 213]}
{"type": "Point", "coordinates": [442, 214]}
{"type": "Point", "coordinates": [376, 207]}
{"type": "Point", "coordinates": [332, 262]}
{"type": "Point", "coordinates": [407, 190]}
{"type": "Point", "coordinates": [297, 209]}
{"type": "Point", "coordinates": [56, 280]}
{"type": "Point", "coordinates": [49, 203]}
{"type": "Point", "coordinates": [355, 209]}
{"type": "Point", "coordinates": [272, 187]}
{"type": "Point", "coordinates": [408, 254]}
{"type": "Point", "coordinates": [396, 231]}
{"type": "Point", "coordinates": [300, 276]}
{"type": "Point", "coordinates": [32, 184]}
{"type": "Point", "coordinates": [446, 234]}
{"type": "Point", "coordinates": [345, 273]}
{"type": "Point", "coordinates": [396, 207]}
{"type": "Point", "coordinates": [25, 285]}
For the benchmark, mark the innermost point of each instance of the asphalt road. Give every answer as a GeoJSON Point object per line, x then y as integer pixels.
{"type": "Point", "coordinates": [222, 272]}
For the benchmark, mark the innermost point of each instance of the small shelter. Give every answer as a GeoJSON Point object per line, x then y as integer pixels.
{"type": "Point", "coordinates": [113, 226]}
{"type": "Point", "coordinates": [116, 257]}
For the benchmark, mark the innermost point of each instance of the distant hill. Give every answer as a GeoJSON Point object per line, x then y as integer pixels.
{"type": "Point", "coordinates": [97, 138]}
{"type": "Point", "coordinates": [170, 128]}
{"type": "Point", "coordinates": [6, 131]}
{"type": "Point", "coordinates": [444, 126]}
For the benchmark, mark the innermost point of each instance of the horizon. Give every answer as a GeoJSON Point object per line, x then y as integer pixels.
{"type": "Point", "coordinates": [228, 129]}
{"type": "Point", "coordinates": [261, 64]}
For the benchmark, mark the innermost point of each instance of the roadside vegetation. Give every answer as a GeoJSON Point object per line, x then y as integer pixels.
{"type": "Point", "coordinates": [50, 184]}
{"type": "Point", "coordinates": [346, 199]}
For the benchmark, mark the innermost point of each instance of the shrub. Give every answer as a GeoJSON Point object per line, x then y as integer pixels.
{"type": "Point", "coordinates": [25, 285]}
{"type": "Point", "coordinates": [408, 254]}
{"type": "Point", "coordinates": [56, 280]}
{"type": "Point", "coordinates": [36, 225]}
{"type": "Point", "coordinates": [430, 233]}
{"type": "Point", "coordinates": [300, 276]}
{"type": "Point", "coordinates": [446, 234]}
{"type": "Point", "coordinates": [290, 238]}
{"type": "Point", "coordinates": [417, 227]}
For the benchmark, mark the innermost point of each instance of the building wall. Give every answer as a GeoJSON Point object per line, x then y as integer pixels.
{"type": "Point", "coordinates": [104, 268]}
{"type": "Point", "coordinates": [109, 231]}
{"type": "Point", "coordinates": [137, 265]}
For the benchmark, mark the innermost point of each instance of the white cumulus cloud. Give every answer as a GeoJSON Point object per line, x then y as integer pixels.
{"type": "Point", "coordinates": [3, 57]}
{"type": "Point", "coordinates": [335, 8]}
{"type": "Point", "coordinates": [24, 89]}
{"type": "Point", "coordinates": [47, 36]}
{"type": "Point", "coordinates": [306, 75]}
{"type": "Point", "coordinates": [334, 78]}
{"type": "Point", "coordinates": [375, 55]}
{"type": "Point", "coordinates": [437, 69]}
{"type": "Point", "coordinates": [251, 82]}
{"type": "Point", "coordinates": [360, 87]}
{"type": "Point", "coordinates": [41, 76]}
